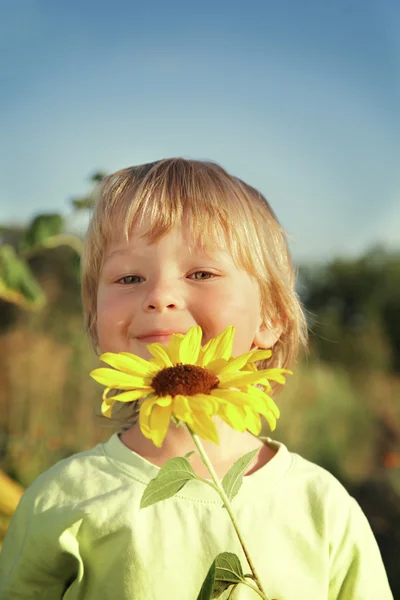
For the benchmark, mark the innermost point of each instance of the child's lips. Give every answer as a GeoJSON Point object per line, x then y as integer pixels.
{"type": "Point", "coordinates": [162, 337]}
{"type": "Point", "coordinates": [151, 339]}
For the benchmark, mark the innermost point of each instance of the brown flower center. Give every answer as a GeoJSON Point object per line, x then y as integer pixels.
{"type": "Point", "coordinates": [187, 380]}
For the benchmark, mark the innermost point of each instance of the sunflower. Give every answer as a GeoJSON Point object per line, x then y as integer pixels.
{"type": "Point", "coordinates": [192, 384]}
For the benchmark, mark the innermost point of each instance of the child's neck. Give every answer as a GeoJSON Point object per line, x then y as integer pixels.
{"type": "Point", "coordinates": [178, 442]}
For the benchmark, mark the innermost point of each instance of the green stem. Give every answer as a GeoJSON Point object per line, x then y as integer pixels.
{"type": "Point", "coordinates": [253, 587]}
{"type": "Point", "coordinates": [228, 506]}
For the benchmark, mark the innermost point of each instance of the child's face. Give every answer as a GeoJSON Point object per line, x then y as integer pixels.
{"type": "Point", "coordinates": [147, 291]}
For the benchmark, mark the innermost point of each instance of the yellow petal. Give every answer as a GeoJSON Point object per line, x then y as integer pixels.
{"type": "Point", "coordinates": [190, 346]}
{"type": "Point", "coordinates": [253, 421]}
{"type": "Point", "coordinates": [271, 421]}
{"type": "Point", "coordinates": [106, 407]}
{"type": "Point", "coordinates": [159, 422]}
{"type": "Point", "coordinates": [240, 379]}
{"type": "Point", "coordinates": [265, 385]}
{"type": "Point", "coordinates": [256, 355]}
{"type": "Point", "coordinates": [234, 415]}
{"type": "Point", "coordinates": [231, 397]}
{"type": "Point", "coordinates": [117, 380]}
{"type": "Point", "coordinates": [181, 408]}
{"type": "Point", "coordinates": [235, 364]}
{"type": "Point", "coordinates": [219, 347]}
{"type": "Point", "coordinates": [106, 390]}
{"type": "Point", "coordinates": [255, 398]}
{"type": "Point", "coordinates": [203, 402]}
{"type": "Point", "coordinates": [250, 367]}
{"type": "Point", "coordinates": [164, 400]}
{"type": "Point", "coordinates": [129, 363]}
{"type": "Point", "coordinates": [145, 412]}
{"type": "Point", "coordinates": [173, 347]}
{"type": "Point", "coordinates": [204, 426]}
{"type": "Point", "coordinates": [129, 396]}
{"type": "Point", "coordinates": [247, 403]}
{"type": "Point", "coordinates": [268, 402]}
{"type": "Point", "coordinates": [160, 353]}
{"type": "Point", "coordinates": [216, 365]}
{"type": "Point", "coordinates": [275, 374]}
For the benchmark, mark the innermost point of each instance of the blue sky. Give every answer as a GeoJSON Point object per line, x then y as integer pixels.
{"type": "Point", "coordinates": [300, 99]}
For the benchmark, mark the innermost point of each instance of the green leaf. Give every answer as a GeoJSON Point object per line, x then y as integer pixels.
{"type": "Point", "coordinates": [189, 454]}
{"type": "Point", "coordinates": [206, 592]}
{"type": "Point", "coordinates": [17, 283]}
{"type": "Point", "coordinates": [172, 477]}
{"type": "Point", "coordinates": [42, 228]}
{"type": "Point", "coordinates": [87, 202]}
{"type": "Point", "coordinates": [46, 231]}
{"type": "Point", "coordinates": [233, 479]}
{"type": "Point", "coordinates": [225, 571]}
{"type": "Point", "coordinates": [228, 568]}
{"type": "Point", "coordinates": [98, 176]}
{"type": "Point", "coordinates": [219, 588]}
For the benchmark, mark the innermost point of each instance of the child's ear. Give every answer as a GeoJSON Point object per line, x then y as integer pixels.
{"type": "Point", "coordinates": [268, 334]}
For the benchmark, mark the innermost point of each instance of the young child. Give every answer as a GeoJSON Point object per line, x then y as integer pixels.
{"type": "Point", "coordinates": [173, 244]}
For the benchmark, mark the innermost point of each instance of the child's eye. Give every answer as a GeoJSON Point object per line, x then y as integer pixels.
{"type": "Point", "coordinates": [198, 275]}
{"type": "Point", "coordinates": [128, 279]}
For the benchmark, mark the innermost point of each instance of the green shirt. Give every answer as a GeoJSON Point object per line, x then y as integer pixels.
{"type": "Point", "coordinates": [79, 533]}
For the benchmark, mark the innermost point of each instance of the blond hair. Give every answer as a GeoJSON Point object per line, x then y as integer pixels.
{"type": "Point", "coordinates": [222, 212]}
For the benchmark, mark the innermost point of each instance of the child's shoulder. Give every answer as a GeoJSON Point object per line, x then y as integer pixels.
{"type": "Point", "coordinates": [314, 489]}
{"type": "Point", "coordinates": [308, 471]}
{"type": "Point", "coordinates": [307, 480]}
{"type": "Point", "coordinates": [314, 478]}
{"type": "Point", "coordinates": [69, 479]}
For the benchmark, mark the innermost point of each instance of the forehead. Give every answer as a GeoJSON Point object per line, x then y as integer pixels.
{"type": "Point", "coordinates": [209, 224]}
{"type": "Point", "coordinates": [142, 234]}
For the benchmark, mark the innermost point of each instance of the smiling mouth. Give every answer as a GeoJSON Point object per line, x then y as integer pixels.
{"type": "Point", "coordinates": [159, 335]}
{"type": "Point", "coordinates": [161, 338]}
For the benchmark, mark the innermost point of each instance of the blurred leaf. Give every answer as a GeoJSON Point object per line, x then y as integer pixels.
{"type": "Point", "coordinates": [98, 176]}
{"type": "Point", "coordinates": [83, 203]}
{"type": "Point", "coordinates": [17, 283]}
{"type": "Point", "coordinates": [353, 306]}
{"type": "Point", "coordinates": [86, 202]}
{"type": "Point", "coordinates": [41, 229]}
{"type": "Point", "coordinates": [64, 239]}
{"type": "Point", "coordinates": [46, 231]}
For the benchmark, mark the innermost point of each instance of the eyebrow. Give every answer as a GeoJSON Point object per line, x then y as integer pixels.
{"type": "Point", "coordinates": [207, 254]}
{"type": "Point", "coordinates": [115, 253]}
{"type": "Point", "coordinates": [121, 252]}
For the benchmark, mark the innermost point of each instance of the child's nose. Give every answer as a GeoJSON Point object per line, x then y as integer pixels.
{"type": "Point", "coordinates": [163, 297]}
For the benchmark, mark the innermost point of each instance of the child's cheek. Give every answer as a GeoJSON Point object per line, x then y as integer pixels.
{"type": "Point", "coordinates": [108, 328]}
